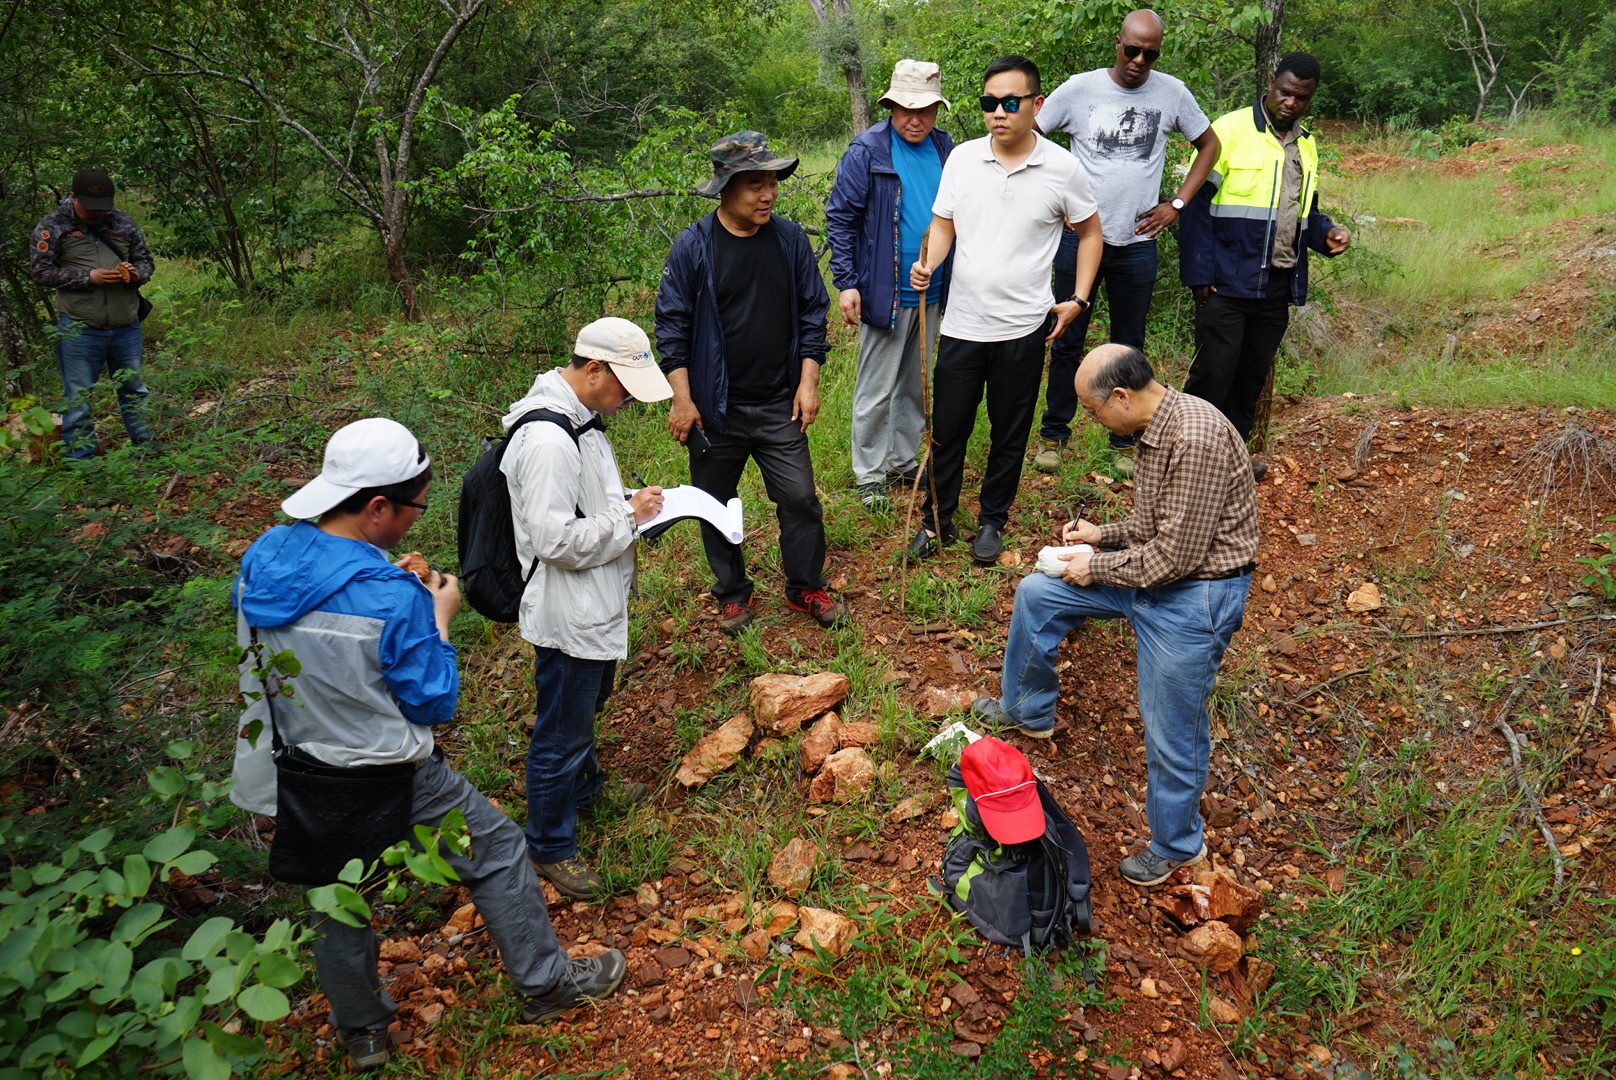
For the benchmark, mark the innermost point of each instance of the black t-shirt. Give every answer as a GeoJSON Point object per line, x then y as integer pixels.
{"type": "Point", "coordinates": [753, 280]}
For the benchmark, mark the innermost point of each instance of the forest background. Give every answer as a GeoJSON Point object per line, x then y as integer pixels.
{"type": "Point", "coordinates": [410, 206]}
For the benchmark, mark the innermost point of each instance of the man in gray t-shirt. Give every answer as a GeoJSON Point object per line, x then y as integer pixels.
{"type": "Point", "coordinates": [1118, 118]}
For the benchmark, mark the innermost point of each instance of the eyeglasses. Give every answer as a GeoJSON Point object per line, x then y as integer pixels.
{"type": "Point", "coordinates": [1011, 102]}
{"type": "Point", "coordinates": [412, 505]}
{"type": "Point", "coordinates": [1132, 53]}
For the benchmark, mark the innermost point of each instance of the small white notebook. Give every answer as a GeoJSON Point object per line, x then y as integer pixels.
{"type": "Point", "coordinates": [689, 501]}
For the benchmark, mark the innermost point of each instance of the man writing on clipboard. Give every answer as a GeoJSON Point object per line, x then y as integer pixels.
{"type": "Point", "coordinates": [576, 529]}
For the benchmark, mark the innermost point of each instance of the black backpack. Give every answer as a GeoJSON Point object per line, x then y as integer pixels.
{"type": "Point", "coordinates": [1028, 896]}
{"type": "Point", "coordinates": [489, 567]}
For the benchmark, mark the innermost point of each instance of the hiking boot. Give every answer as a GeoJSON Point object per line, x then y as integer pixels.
{"type": "Point", "coordinates": [874, 496]}
{"type": "Point", "coordinates": [1122, 462]}
{"type": "Point", "coordinates": [1048, 458]}
{"type": "Point", "coordinates": [368, 1048]}
{"type": "Point", "coordinates": [735, 616]}
{"type": "Point", "coordinates": [588, 978]}
{"type": "Point", "coordinates": [1259, 469]}
{"type": "Point", "coordinates": [825, 609]}
{"type": "Point", "coordinates": [618, 795]}
{"type": "Point", "coordinates": [1148, 868]}
{"type": "Point", "coordinates": [987, 546]}
{"type": "Point", "coordinates": [572, 877]}
{"type": "Point", "coordinates": [991, 709]}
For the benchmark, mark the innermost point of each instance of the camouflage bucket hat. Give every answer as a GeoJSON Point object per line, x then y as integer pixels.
{"type": "Point", "coordinates": [744, 151]}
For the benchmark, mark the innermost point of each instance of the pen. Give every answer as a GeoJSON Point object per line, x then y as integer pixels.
{"type": "Point", "coordinates": [638, 479]}
{"type": "Point", "coordinates": [1082, 506]}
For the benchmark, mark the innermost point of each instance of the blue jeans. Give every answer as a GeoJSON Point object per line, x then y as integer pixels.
{"type": "Point", "coordinates": [1129, 276]}
{"type": "Point", "coordinates": [81, 353]}
{"type": "Point", "coordinates": [1182, 630]}
{"type": "Point", "coordinates": [563, 774]}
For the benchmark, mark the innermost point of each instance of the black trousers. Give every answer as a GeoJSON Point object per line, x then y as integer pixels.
{"type": "Point", "coordinates": [1235, 343]}
{"type": "Point", "coordinates": [767, 435]}
{"type": "Point", "coordinates": [1009, 372]}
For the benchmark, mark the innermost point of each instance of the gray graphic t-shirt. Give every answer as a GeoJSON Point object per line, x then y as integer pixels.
{"type": "Point", "coordinates": [1120, 138]}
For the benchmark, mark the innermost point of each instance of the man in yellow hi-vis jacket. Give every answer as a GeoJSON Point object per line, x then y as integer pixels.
{"type": "Point", "coordinates": [1243, 242]}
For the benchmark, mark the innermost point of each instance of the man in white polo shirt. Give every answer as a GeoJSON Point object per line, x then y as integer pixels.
{"type": "Point", "coordinates": [1003, 203]}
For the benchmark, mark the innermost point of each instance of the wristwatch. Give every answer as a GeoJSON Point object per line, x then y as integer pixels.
{"type": "Point", "coordinates": [1177, 204]}
{"type": "Point", "coordinates": [1082, 303]}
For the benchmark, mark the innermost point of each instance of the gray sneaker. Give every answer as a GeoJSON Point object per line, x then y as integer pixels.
{"type": "Point", "coordinates": [588, 978]}
{"type": "Point", "coordinates": [991, 709]}
{"type": "Point", "coordinates": [368, 1048]}
{"type": "Point", "coordinates": [1148, 868]}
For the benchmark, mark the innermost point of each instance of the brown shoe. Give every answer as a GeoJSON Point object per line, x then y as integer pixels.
{"type": "Point", "coordinates": [735, 617]}
{"type": "Point", "coordinates": [825, 609]}
{"type": "Point", "coordinates": [572, 877]}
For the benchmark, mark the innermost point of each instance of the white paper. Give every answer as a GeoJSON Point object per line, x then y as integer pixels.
{"type": "Point", "coordinates": [687, 501]}
{"type": "Point", "coordinates": [949, 740]}
{"type": "Point", "coordinates": [1052, 560]}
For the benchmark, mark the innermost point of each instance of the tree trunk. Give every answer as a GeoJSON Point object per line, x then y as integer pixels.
{"type": "Point", "coordinates": [1267, 43]}
{"type": "Point", "coordinates": [842, 49]}
{"type": "Point", "coordinates": [12, 357]}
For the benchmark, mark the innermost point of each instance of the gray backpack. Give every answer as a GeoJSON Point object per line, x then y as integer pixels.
{"type": "Point", "coordinates": [1028, 896]}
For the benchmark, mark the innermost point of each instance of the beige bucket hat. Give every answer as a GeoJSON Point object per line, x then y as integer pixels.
{"type": "Point", "coordinates": [915, 84]}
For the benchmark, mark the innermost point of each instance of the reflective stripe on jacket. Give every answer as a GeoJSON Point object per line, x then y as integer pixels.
{"type": "Point", "coordinates": [1226, 233]}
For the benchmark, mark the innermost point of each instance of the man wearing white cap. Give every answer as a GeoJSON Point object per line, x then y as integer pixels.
{"type": "Point", "coordinates": [880, 208]}
{"type": "Point", "coordinates": [376, 671]}
{"type": "Point", "coordinates": [575, 532]}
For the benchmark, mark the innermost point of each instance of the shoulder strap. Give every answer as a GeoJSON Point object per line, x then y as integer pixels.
{"type": "Point", "coordinates": [560, 420]}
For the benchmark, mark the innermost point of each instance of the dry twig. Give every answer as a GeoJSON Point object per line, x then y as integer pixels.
{"type": "Point", "coordinates": [1518, 773]}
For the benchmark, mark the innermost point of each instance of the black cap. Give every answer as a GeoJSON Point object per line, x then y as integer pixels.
{"type": "Point", "coordinates": [93, 188]}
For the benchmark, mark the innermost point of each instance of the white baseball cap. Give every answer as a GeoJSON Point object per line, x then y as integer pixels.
{"type": "Point", "coordinates": [369, 453]}
{"type": "Point", "coordinates": [624, 347]}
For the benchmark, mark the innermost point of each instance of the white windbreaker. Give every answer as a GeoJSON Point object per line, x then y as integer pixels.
{"type": "Point", "coordinates": [577, 599]}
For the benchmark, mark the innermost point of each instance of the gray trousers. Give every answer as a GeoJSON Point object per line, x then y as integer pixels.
{"type": "Point", "coordinates": [503, 886]}
{"type": "Point", "coordinates": [889, 415]}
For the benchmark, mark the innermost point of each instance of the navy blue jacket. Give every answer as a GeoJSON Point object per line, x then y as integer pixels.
{"type": "Point", "coordinates": [861, 222]}
{"type": "Point", "coordinates": [688, 332]}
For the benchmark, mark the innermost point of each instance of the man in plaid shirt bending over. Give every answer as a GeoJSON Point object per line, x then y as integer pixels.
{"type": "Point", "coordinates": [1179, 569]}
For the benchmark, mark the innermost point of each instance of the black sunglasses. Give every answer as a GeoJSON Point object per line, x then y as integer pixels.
{"type": "Point", "coordinates": [1011, 102]}
{"type": "Point", "coordinates": [1132, 53]}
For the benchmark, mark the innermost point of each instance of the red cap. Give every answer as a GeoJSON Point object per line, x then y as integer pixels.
{"type": "Point", "coordinates": [1000, 779]}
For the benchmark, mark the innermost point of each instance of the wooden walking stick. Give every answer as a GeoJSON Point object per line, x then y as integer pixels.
{"type": "Point", "coordinates": [925, 441]}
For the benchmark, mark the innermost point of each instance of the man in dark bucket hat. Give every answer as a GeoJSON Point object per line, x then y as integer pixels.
{"type": "Point", "coordinates": [740, 327]}
{"type": "Point", "coordinates": [744, 151]}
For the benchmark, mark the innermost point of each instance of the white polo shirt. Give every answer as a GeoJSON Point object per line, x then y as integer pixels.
{"type": "Point", "coordinates": [1007, 227]}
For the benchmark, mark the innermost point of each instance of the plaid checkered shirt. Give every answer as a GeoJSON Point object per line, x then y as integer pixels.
{"type": "Point", "coordinates": [1195, 505]}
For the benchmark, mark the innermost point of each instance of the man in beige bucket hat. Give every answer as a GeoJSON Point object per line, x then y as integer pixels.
{"type": "Point", "coordinates": [879, 209]}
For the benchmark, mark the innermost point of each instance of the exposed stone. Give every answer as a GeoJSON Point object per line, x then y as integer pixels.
{"type": "Point", "coordinates": [755, 945]}
{"type": "Point", "coordinates": [862, 733]}
{"type": "Point", "coordinates": [782, 703]}
{"type": "Point", "coordinates": [846, 777]}
{"type": "Point", "coordinates": [1147, 988]}
{"type": "Point", "coordinates": [821, 741]}
{"type": "Point", "coordinates": [715, 751]}
{"type": "Point", "coordinates": [1211, 896]}
{"type": "Point", "coordinates": [965, 1049]}
{"type": "Point", "coordinates": [831, 931]}
{"type": "Point", "coordinates": [648, 974]}
{"type": "Point", "coordinates": [1212, 946]}
{"type": "Point", "coordinates": [939, 701]}
{"type": "Point", "coordinates": [1222, 1011]}
{"type": "Point", "coordinates": [912, 807]}
{"type": "Point", "coordinates": [646, 896]}
{"type": "Point", "coordinates": [792, 867]}
{"type": "Point", "coordinates": [1173, 1055]}
{"type": "Point", "coordinates": [673, 956]}
{"type": "Point", "coordinates": [1365, 597]}
{"type": "Point", "coordinates": [400, 951]}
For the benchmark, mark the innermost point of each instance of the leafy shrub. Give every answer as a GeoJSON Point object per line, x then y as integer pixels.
{"type": "Point", "coordinates": [1603, 574]}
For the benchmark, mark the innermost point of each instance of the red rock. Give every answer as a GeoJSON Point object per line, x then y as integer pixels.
{"type": "Point", "coordinates": [831, 931]}
{"type": "Point", "coordinates": [821, 741]}
{"type": "Point", "coordinates": [912, 807]}
{"type": "Point", "coordinates": [847, 777]}
{"type": "Point", "coordinates": [755, 945]}
{"type": "Point", "coordinates": [782, 703]}
{"type": "Point", "coordinates": [649, 973]}
{"type": "Point", "coordinates": [400, 950]}
{"type": "Point", "coordinates": [792, 867]}
{"type": "Point", "coordinates": [1173, 1055]}
{"type": "Point", "coordinates": [716, 751]}
{"type": "Point", "coordinates": [862, 733]}
{"type": "Point", "coordinates": [1212, 946]}
{"type": "Point", "coordinates": [673, 956]}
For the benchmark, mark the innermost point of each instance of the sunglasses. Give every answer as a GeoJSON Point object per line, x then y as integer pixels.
{"type": "Point", "coordinates": [1011, 102]}
{"type": "Point", "coordinates": [1132, 53]}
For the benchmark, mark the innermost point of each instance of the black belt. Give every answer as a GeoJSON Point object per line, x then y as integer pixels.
{"type": "Point", "coordinates": [1227, 574]}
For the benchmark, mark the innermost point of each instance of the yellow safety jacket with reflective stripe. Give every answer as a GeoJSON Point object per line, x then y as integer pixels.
{"type": "Point", "coordinates": [1226, 233]}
